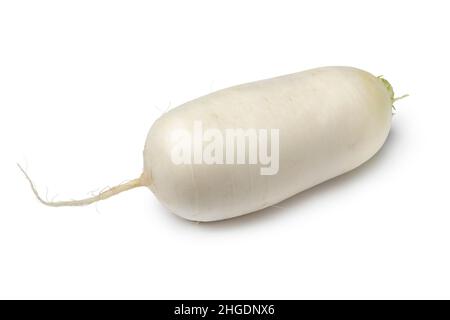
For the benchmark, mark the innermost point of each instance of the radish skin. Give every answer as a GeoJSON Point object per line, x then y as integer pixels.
{"type": "Point", "coordinates": [330, 121]}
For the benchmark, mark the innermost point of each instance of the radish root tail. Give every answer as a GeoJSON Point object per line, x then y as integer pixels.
{"type": "Point", "coordinates": [135, 183]}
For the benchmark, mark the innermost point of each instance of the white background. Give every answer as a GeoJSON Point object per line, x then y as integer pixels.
{"type": "Point", "coordinates": [81, 82]}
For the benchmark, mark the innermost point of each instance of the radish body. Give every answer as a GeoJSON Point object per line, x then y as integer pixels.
{"type": "Point", "coordinates": [330, 121]}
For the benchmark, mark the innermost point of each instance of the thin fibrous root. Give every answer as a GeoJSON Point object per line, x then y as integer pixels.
{"type": "Point", "coordinates": [402, 97]}
{"type": "Point", "coordinates": [83, 202]}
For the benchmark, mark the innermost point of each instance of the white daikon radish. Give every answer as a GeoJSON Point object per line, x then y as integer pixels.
{"type": "Point", "coordinates": [317, 124]}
